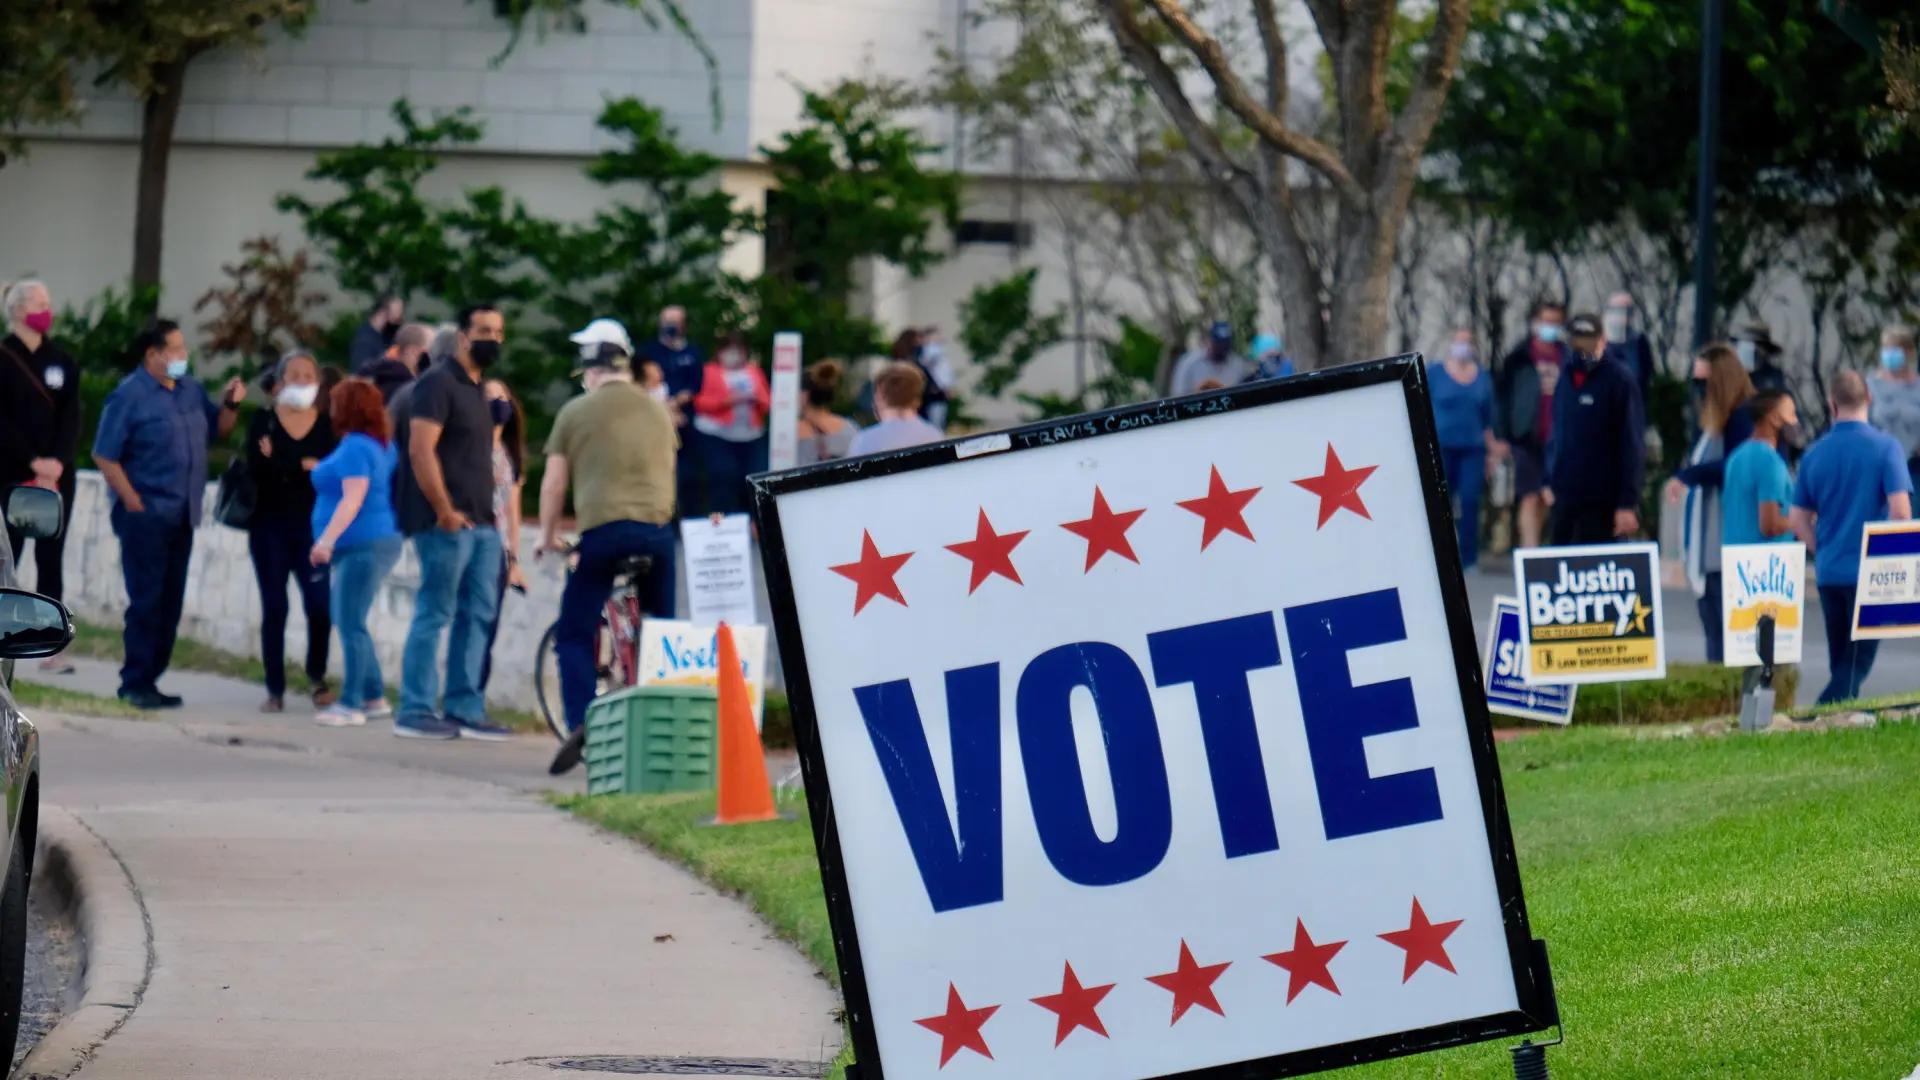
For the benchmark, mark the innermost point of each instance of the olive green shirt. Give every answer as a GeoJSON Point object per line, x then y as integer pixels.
{"type": "Point", "coordinates": [619, 444]}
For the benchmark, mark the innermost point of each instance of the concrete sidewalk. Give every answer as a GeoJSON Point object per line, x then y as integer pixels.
{"type": "Point", "coordinates": [318, 913]}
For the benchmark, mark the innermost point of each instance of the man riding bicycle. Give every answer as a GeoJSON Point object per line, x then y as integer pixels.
{"type": "Point", "coordinates": [616, 445]}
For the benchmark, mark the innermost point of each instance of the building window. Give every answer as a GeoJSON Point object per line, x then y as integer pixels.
{"type": "Point", "coordinates": [978, 231]}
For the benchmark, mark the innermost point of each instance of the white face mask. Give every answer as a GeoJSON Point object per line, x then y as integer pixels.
{"type": "Point", "coordinates": [298, 396]}
{"type": "Point", "coordinates": [1614, 323]}
{"type": "Point", "coordinates": [1745, 350]}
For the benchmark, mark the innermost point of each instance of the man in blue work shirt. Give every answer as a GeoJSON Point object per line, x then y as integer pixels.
{"type": "Point", "coordinates": [151, 447]}
{"type": "Point", "coordinates": [1851, 476]}
{"type": "Point", "coordinates": [682, 365]}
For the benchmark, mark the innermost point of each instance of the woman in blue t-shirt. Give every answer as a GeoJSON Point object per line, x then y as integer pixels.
{"type": "Point", "coordinates": [355, 531]}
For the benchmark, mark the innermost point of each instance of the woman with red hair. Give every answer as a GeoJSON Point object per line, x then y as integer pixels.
{"type": "Point", "coordinates": [356, 533]}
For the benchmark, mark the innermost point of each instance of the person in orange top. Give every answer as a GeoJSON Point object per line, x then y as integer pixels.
{"type": "Point", "coordinates": [730, 425]}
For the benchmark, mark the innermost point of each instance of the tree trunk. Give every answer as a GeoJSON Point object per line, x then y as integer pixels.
{"type": "Point", "coordinates": [161, 112]}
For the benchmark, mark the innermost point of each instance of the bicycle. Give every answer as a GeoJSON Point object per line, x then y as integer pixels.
{"type": "Point", "coordinates": [616, 642]}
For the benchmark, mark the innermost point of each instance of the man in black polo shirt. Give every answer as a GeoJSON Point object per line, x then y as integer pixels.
{"type": "Point", "coordinates": [443, 497]}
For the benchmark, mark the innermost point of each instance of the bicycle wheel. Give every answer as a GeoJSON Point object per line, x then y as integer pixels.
{"type": "Point", "coordinates": [546, 684]}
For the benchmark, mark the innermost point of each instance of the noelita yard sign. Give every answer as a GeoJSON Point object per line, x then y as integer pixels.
{"type": "Point", "coordinates": [1152, 742]}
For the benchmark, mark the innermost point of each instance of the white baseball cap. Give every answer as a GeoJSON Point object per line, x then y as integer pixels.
{"type": "Point", "coordinates": [602, 332]}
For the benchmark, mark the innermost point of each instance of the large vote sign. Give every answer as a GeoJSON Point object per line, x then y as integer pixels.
{"type": "Point", "coordinates": [1152, 742]}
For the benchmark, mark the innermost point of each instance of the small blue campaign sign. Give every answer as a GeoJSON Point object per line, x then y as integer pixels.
{"type": "Point", "coordinates": [1152, 742]}
{"type": "Point", "coordinates": [1508, 692]}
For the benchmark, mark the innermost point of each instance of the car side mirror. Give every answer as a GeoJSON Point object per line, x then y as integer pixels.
{"type": "Point", "coordinates": [35, 512]}
{"type": "Point", "coordinates": [32, 626]}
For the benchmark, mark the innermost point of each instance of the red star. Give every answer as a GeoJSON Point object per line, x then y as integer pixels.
{"type": "Point", "coordinates": [1105, 530]}
{"type": "Point", "coordinates": [1306, 962]}
{"type": "Point", "coordinates": [990, 552]}
{"type": "Point", "coordinates": [1074, 1004]}
{"type": "Point", "coordinates": [959, 1027]}
{"type": "Point", "coordinates": [1424, 941]}
{"type": "Point", "coordinates": [1221, 510]}
{"type": "Point", "coordinates": [1191, 985]}
{"type": "Point", "coordinates": [873, 574]}
{"type": "Point", "coordinates": [1338, 487]}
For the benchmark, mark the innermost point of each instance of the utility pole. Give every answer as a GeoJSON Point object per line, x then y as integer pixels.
{"type": "Point", "coordinates": [1703, 231]}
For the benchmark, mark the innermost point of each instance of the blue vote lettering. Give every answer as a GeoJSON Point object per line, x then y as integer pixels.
{"type": "Point", "coordinates": [1055, 785]}
{"type": "Point", "coordinates": [961, 863]}
{"type": "Point", "coordinates": [1216, 657]}
{"type": "Point", "coordinates": [958, 871]}
{"type": "Point", "coordinates": [1339, 715]}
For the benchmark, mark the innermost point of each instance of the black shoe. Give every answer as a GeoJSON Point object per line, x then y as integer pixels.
{"type": "Point", "coordinates": [148, 699]}
{"type": "Point", "coordinates": [570, 751]}
{"type": "Point", "coordinates": [170, 701]}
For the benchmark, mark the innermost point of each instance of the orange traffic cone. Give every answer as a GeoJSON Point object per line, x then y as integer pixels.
{"type": "Point", "coordinates": [745, 794]}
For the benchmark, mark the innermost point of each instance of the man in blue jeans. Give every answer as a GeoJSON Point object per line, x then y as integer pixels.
{"type": "Point", "coordinates": [1852, 475]}
{"type": "Point", "coordinates": [443, 496]}
{"type": "Point", "coordinates": [616, 444]}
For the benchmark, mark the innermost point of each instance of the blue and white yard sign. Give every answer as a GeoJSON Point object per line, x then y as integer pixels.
{"type": "Point", "coordinates": [1508, 692]}
{"type": "Point", "coordinates": [1152, 743]}
{"type": "Point", "coordinates": [1887, 601]}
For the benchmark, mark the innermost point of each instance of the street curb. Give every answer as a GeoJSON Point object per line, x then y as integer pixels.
{"type": "Point", "coordinates": [112, 919]}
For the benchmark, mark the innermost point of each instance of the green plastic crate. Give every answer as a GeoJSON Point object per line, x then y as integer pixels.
{"type": "Point", "coordinates": [651, 739]}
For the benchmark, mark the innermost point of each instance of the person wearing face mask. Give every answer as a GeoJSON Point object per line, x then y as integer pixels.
{"type": "Point", "coordinates": [372, 339]}
{"type": "Point", "coordinates": [151, 448]}
{"type": "Point", "coordinates": [1270, 360]}
{"type": "Point", "coordinates": [1462, 396]}
{"type": "Point", "coordinates": [1524, 413]}
{"type": "Point", "coordinates": [443, 498]}
{"type": "Point", "coordinates": [616, 446]}
{"type": "Point", "coordinates": [509, 473]}
{"type": "Point", "coordinates": [283, 444]}
{"type": "Point", "coordinates": [402, 362]}
{"type": "Point", "coordinates": [682, 366]}
{"type": "Point", "coordinates": [1757, 493]}
{"type": "Point", "coordinates": [1721, 393]}
{"type": "Point", "coordinates": [39, 425]}
{"type": "Point", "coordinates": [1214, 363]}
{"type": "Point", "coordinates": [931, 356]}
{"type": "Point", "coordinates": [730, 424]}
{"type": "Point", "coordinates": [1896, 394]}
{"type": "Point", "coordinates": [1597, 454]}
{"type": "Point", "coordinates": [1760, 356]}
{"type": "Point", "coordinates": [1626, 343]}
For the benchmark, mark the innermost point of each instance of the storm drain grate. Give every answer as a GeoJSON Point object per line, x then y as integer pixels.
{"type": "Point", "coordinates": [687, 1066]}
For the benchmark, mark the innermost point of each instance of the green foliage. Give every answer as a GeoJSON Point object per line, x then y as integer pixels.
{"type": "Point", "coordinates": [1002, 332]}
{"type": "Point", "coordinates": [266, 308]}
{"type": "Point", "coordinates": [98, 335]}
{"type": "Point", "coordinates": [1689, 692]}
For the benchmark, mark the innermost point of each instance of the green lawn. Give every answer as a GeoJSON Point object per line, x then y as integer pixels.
{"type": "Point", "coordinates": [30, 696]}
{"type": "Point", "coordinates": [1746, 906]}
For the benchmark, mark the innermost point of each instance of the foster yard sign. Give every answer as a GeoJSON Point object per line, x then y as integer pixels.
{"type": "Point", "coordinates": [1152, 743]}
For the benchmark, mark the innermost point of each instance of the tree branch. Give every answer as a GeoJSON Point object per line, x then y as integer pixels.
{"type": "Point", "coordinates": [1415, 123]}
{"type": "Point", "coordinates": [1275, 45]}
{"type": "Point", "coordinates": [1233, 94]}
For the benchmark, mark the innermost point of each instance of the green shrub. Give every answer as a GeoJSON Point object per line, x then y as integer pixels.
{"type": "Point", "coordinates": [1689, 692]}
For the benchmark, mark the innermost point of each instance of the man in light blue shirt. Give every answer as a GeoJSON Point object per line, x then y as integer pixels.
{"type": "Point", "coordinates": [1851, 476]}
{"type": "Point", "coordinates": [897, 391]}
{"type": "Point", "coordinates": [1756, 491]}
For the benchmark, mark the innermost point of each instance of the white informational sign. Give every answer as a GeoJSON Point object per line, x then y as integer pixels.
{"type": "Point", "coordinates": [783, 421]}
{"type": "Point", "coordinates": [674, 652]}
{"type": "Point", "coordinates": [1887, 603]}
{"type": "Point", "coordinates": [1149, 742]}
{"type": "Point", "coordinates": [1508, 691]}
{"type": "Point", "coordinates": [719, 557]}
{"type": "Point", "coordinates": [1757, 580]}
{"type": "Point", "coordinates": [1591, 614]}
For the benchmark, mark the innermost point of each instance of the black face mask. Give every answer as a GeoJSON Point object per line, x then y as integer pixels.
{"type": "Point", "coordinates": [484, 354]}
{"type": "Point", "coordinates": [1699, 388]}
{"type": "Point", "coordinates": [502, 412]}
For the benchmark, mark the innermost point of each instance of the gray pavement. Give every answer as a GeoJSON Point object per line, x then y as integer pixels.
{"type": "Point", "coordinates": [1896, 671]}
{"type": "Point", "coordinates": [345, 904]}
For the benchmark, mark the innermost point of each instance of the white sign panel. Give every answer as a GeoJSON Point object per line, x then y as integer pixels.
{"type": "Point", "coordinates": [719, 557]}
{"type": "Point", "coordinates": [783, 422]}
{"type": "Point", "coordinates": [1591, 613]}
{"type": "Point", "coordinates": [1757, 580]}
{"type": "Point", "coordinates": [678, 653]}
{"type": "Point", "coordinates": [1153, 743]}
{"type": "Point", "coordinates": [1887, 602]}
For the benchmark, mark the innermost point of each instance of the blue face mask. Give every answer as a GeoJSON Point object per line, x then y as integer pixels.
{"type": "Point", "coordinates": [1892, 357]}
{"type": "Point", "coordinates": [1547, 332]}
{"type": "Point", "coordinates": [177, 369]}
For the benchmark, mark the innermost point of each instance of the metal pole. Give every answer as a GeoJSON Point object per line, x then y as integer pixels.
{"type": "Point", "coordinates": [1703, 253]}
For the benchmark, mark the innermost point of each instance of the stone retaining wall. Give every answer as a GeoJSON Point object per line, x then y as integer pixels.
{"type": "Point", "coordinates": [223, 596]}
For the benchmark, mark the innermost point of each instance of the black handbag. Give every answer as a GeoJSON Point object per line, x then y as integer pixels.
{"type": "Point", "coordinates": [239, 495]}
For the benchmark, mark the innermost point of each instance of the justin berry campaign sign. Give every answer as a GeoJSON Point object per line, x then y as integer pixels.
{"type": "Point", "coordinates": [1152, 743]}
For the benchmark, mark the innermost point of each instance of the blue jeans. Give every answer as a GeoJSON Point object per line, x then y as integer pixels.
{"type": "Point", "coordinates": [154, 551]}
{"type": "Point", "coordinates": [1849, 661]}
{"type": "Point", "coordinates": [281, 544]}
{"type": "Point", "coordinates": [458, 574]}
{"type": "Point", "coordinates": [1466, 471]}
{"type": "Point", "coordinates": [600, 550]}
{"type": "Point", "coordinates": [357, 574]}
